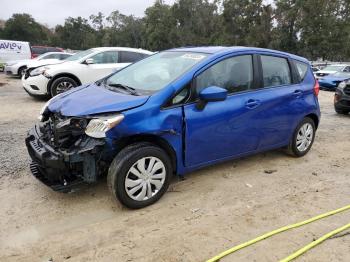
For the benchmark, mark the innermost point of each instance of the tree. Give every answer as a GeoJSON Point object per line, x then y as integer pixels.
{"type": "Point", "coordinates": [76, 33]}
{"type": "Point", "coordinates": [287, 17]}
{"type": "Point", "coordinates": [247, 22]}
{"type": "Point", "coordinates": [323, 33]}
{"type": "Point", "coordinates": [23, 27]}
{"type": "Point", "coordinates": [124, 30]}
{"type": "Point", "coordinates": [160, 27]}
{"type": "Point", "coordinates": [197, 22]}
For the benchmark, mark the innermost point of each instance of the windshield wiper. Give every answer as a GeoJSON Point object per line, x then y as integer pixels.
{"type": "Point", "coordinates": [131, 90]}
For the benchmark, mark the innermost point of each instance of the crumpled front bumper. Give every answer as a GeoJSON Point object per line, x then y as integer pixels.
{"type": "Point", "coordinates": [62, 170]}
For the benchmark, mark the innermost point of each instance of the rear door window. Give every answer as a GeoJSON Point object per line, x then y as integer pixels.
{"type": "Point", "coordinates": [63, 56]}
{"type": "Point", "coordinates": [130, 57]}
{"type": "Point", "coordinates": [276, 71]}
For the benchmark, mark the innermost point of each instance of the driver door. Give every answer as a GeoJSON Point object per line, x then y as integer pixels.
{"type": "Point", "coordinates": [226, 128]}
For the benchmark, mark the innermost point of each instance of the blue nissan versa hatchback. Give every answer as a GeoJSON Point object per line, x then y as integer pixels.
{"type": "Point", "coordinates": [171, 113]}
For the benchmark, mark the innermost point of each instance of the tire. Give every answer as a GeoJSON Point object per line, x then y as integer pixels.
{"type": "Point", "coordinates": [21, 71]}
{"type": "Point", "coordinates": [61, 85]}
{"type": "Point", "coordinates": [296, 147]}
{"type": "Point", "coordinates": [340, 111]}
{"type": "Point", "coordinates": [123, 167]}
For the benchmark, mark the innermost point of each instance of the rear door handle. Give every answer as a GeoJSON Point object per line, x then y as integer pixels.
{"type": "Point", "coordinates": [298, 93]}
{"type": "Point", "coordinates": [252, 103]}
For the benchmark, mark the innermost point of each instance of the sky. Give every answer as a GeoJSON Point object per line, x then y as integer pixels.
{"type": "Point", "coordinates": [53, 12]}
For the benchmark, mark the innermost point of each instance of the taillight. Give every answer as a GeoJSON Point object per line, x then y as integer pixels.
{"type": "Point", "coordinates": [316, 87]}
{"type": "Point", "coordinates": [336, 98]}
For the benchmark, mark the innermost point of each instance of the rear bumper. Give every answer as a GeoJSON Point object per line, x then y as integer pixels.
{"type": "Point", "coordinates": [9, 70]}
{"type": "Point", "coordinates": [61, 170]}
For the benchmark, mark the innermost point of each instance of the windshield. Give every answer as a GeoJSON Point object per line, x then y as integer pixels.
{"type": "Point", "coordinates": [333, 68]}
{"type": "Point", "coordinates": [341, 74]}
{"type": "Point", "coordinates": [157, 71]}
{"type": "Point", "coordinates": [79, 55]}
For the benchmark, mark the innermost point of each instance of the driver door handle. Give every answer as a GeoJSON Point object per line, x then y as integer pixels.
{"type": "Point", "coordinates": [252, 103]}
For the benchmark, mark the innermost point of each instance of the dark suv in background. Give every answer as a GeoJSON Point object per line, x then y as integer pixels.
{"type": "Point", "coordinates": [342, 98]}
{"type": "Point", "coordinates": [39, 50]}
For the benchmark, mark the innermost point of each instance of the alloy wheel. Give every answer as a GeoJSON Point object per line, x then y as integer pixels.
{"type": "Point", "coordinates": [63, 86]}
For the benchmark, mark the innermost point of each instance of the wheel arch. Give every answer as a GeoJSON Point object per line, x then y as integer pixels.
{"type": "Point", "coordinates": [74, 77]}
{"type": "Point", "coordinates": [152, 139]}
{"type": "Point", "coordinates": [314, 117]}
{"type": "Point", "coordinates": [21, 67]}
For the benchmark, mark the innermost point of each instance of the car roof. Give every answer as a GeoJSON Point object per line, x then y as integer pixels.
{"type": "Point", "coordinates": [137, 50]}
{"type": "Point", "coordinates": [60, 53]}
{"type": "Point", "coordinates": [338, 65]}
{"type": "Point", "coordinates": [217, 50]}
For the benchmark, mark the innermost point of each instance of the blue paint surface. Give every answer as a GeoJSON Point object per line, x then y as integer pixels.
{"type": "Point", "coordinates": [242, 124]}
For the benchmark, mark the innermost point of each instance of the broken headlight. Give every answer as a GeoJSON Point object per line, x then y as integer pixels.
{"type": "Point", "coordinates": [42, 111]}
{"type": "Point", "coordinates": [37, 71]}
{"type": "Point", "coordinates": [98, 127]}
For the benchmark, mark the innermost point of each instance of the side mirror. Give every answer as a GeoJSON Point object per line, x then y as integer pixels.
{"type": "Point", "coordinates": [89, 61]}
{"type": "Point", "coordinates": [211, 94]}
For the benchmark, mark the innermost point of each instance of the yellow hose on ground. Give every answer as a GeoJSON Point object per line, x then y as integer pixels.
{"type": "Point", "coordinates": [315, 243]}
{"type": "Point", "coordinates": [275, 232]}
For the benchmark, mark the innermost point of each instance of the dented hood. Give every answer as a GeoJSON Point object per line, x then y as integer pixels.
{"type": "Point", "coordinates": [92, 99]}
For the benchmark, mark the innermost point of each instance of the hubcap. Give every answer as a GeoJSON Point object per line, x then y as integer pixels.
{"type": "Point", "coordinates": [145, 178]}
{"type": "Point", "coordinates": [304, 137]}
{"type": "Point", "coordinates": [63, 86]}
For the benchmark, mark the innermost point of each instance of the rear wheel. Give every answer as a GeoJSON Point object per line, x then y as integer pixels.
{"type": "Point", "coordinates": [62, 84]}
{"type": "Point", "coordinates": [139, 175]}
{"type": "Point", "coordinates": [303, 138]}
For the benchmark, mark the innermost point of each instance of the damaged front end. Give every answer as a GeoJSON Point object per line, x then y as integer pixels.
{"type": "Point", "coordinates": [63, 156]}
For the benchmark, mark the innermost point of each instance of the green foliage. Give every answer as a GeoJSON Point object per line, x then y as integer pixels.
{"type": "Point", "coordinates": [76, 33]}
{"type": "Point", "coordinates": [312, 28]}
{"type": "Point", "coordinates": [23, 27]}
{"type": "Point", "coordinates": [160, 27]}
{"type": "Point", "coordinates": [247, 23]}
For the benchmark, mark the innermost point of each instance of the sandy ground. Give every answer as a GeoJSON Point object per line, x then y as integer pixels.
{"type": "Point", "coordinates": [212, 210]}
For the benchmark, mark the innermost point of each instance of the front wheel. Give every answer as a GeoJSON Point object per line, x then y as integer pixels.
{"type": "Point", "coordinates": [139, 175]}
{"type": "Point", "coordinates": [21, 71]}
{"type": "Point", "coordinates": [303, 138]}
{"type": "Point", "coordinates": [62, 84]}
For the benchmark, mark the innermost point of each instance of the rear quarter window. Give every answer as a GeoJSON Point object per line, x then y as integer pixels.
{"type": "Point", "coordinates": [301, 69]}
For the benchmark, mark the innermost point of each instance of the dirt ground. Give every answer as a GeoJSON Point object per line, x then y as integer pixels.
{"type": "Point", "coordinates": [212, 210]}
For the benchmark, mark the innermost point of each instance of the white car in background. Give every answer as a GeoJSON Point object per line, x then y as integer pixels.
{"type": "Point", "coordinates": [84, 67]}
{"type": "Point", "coordinates": [331, 69]}
{"type": "Point", "coordinates": [18, 67]}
